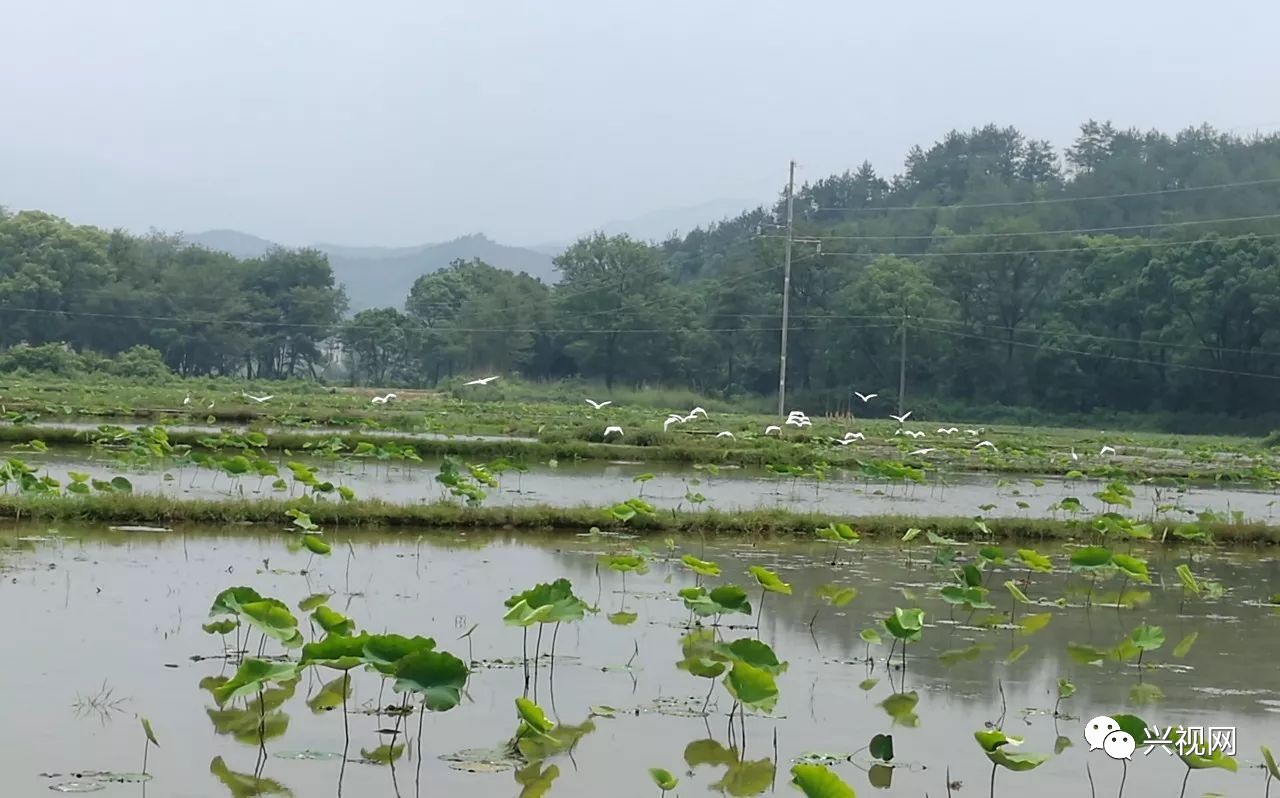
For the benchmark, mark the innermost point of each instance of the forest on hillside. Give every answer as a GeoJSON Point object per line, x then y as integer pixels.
{"type": "Point", "coordinates": [1132, 271]}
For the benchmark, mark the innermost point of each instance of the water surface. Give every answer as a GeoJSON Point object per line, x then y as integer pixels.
{"type": "Point", "coordinates": [98, 611]}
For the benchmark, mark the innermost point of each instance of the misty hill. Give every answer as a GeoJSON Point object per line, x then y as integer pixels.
{"type": "Point", "coordinates": [382, 276]}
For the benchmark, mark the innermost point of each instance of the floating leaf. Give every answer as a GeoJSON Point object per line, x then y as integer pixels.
{"type": "Point", "coordinates": [752, 687]}
{"type": "Point", "coordinates": [1147, 638]}
{"type": "Point", "coordinates": [1035, 560]}
{"type": "Point", "coordinates": [769, 580]}
{"type": "Point", "coordinates": [533, 716]}
{"type": "Point", "coordinates": [1133, 567]}
{"type": "Point", "coordinates": [881, 747]}
{"type": "Point", "coordinates": [817, 781]}
{"type": "Point", "coordinates": [663, 779]}
{"type": "Point", "coordinates": [1091, 558]}
{"type": "Point", "coordinates": [701, 567]}
{"type": "Point", "coordinates": [437, 675]}
{"type": "Point", "coordinates": [151, 735]}
{"type": "Point", "coordinates": [315, 545]}
{"type": "Point", "coordinates": [623, 618]}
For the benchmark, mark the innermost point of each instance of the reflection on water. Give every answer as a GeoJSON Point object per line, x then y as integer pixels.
{"type": "Point", "coordinates": [99, 611]}
{"type": "Point", "coordinates": [679, 486]}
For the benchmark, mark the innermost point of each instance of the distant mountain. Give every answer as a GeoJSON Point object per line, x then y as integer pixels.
{"type": "Point", "coordinates": [232, 242]}
{"type": "Point", "coordinates": [382, 276]}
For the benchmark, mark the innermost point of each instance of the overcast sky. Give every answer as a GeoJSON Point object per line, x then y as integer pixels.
{"type": "Point", "coordinates": [397, 122]}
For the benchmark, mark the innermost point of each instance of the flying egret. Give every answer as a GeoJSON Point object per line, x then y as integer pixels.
{"type": "Point", "coordinates": [915, 433]}
{"type": "Point", "coordinates": [987, 444]}
{"type": "Point", "coordinates": [672, 419]}
{"type": "Point", "coordinates": [598, 405]}
{"type": "Point", "coordinates": [773, 428]}
{"type": "Point", "coordinates": [865, 397]}
{"type": "Point", "coordinates": [902, 418]}
{"type": "Point", "coordinates": [610, 430]}
{"type": "Point", "coordinates": [947, 430]}
{"type": "Point", "coordinates": [694, 412]}
{"type": "Point", "coordinates": [920, 452]}
{"type": "Point", "coordinates": [258, 399]}
{"type": "Point", "coordinates": [1106, 450]}
{"type": "Point", "coordinates": [973, 432]}
{"type": "Point", "coordinates": [382, 400]}
{"type": "Point", "coordinates": [798, 422]}
{"type": "Point", "coordinates": [842, 441]}
{"type": "Point", "coordinates": [481, 381]}
{"type": "Point", "coordinates": [854, 436]}
{"type": "Point", "coordinates": [725, 434]}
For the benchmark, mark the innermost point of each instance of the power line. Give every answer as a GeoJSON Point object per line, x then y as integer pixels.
{"type": "Point", "coordinates": [1073, 231]}
{"type": "Point", "coordinates": [1054, 200]}
{"type": "Point", "coordinates": [1101, 355]}
{"type": "Point", "coordinates": [1137, 243]}
{"type": "Point", "coordinates": [443, 330]}
{"type": "Point", "coordinates": [1110, 338]}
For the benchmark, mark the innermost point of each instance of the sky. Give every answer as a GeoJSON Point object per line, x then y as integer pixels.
{"type": "Point", "coordinates": [398, 122]}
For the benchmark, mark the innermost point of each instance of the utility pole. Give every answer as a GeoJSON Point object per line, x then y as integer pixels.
{"type": "Point", "coordinates": [786, 290]}
{"type": "Point", "coordinates": [902, 362]}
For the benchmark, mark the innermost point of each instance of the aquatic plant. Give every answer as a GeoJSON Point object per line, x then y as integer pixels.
{"type": "Point", "coordinates": [1273, 770]}
{"type": "Point", "coordinates": [769, 583]}
{"type": "Point", "coordinates": [817, 781]}
{"type": "Point", "coordinates": [663, 779]}
{"type": "Point", "coordinates": [833, 596]}
{"type": "Point", "coordinates": [1186, 751]}
{"type": "Point", "coordinates": [906, 626]}
{"type": "Point", "coordinates": [722, 600]}
{"type": "Point", "coordinates": [837, 534]}
{"type": "Point", "coordinates": [149, 739]}
{"type": "Point", "coordinates": [996, 744]}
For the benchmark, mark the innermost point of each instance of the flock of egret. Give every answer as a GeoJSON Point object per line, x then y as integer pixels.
{"type": "Point", "coordinates": [796, 418]}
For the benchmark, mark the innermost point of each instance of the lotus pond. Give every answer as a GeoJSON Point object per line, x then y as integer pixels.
{"type": "Point", "coordinates": [876, 489]}
{"type": "Point", "coordinates": [297, 663]}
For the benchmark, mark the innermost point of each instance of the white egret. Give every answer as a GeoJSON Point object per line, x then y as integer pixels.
{"type": "Point", "coordinates": [854, 436]}
{"type": "Point", "coordinates": [481, 381]}
{"type": "Point", "coordinates": [987, 444]}
{"type": "Point", "coordinates": [725, 434]}
{"type": "Point", "coordinates": [773, 428]}
{"type": "Point", "coordinates": [187, 401]}
{"type": "Point", "coordinates": [973, 432]}
{"type": "Point", "coordinates": [920, 452]}
{"type": "Point", "coordinates": [258, 399]}
{"type": "Point", "coordinates": [798, 421]}
{"type": "Point", "coordinates": [947, 430]}
{"type": "Point", "coordinates": [673, 419]}
{"type": "Point", "coordinates": [1106, 450]}
{"type": "Point", "coordinates": [865, 397]}
{"type": "Point", "coordinates": [842, 441]}
{"type": "Point", "coordinates": [610, 430]}
{"type": "Point", "coordinates": [915, 433]}
{"type": "Point", "coordinates": [902, 418]}
{"type": "Point", "coordinates": [598, 405]}
{"type": "Point", "coordinates": [210, 404]}
{"type": "Point", "coordinates": [694, 412]}
{"type": "Point", "coordinates": [1074, 456]}
{"type": "Point", "coordinates": [382, 400]}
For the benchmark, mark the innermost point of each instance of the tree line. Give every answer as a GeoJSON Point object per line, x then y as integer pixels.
{"type": "Point", "coordinates": [1134, 271]}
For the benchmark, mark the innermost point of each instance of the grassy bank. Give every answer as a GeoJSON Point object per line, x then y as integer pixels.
{"type": "Point", "coordinates": [145, 509]}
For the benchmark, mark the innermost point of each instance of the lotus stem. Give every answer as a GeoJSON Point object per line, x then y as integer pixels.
{"type": "Point", "coordinates": [537, 655]}
{"type": "Point", "coordinates": [525, 647]}
{"type": "Point", "coordinates": [146, 748]}
{"type": "Point", "coordinates": [1183, 793]}
{"type": "Point", "coordinates": [993, 780]}
{"type": "Point", "coordinates": [417, 779]}
{"type": "Point", "coordinates": [1124, 774]}
{"type": "Point", "coordinates": [346, 730]}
